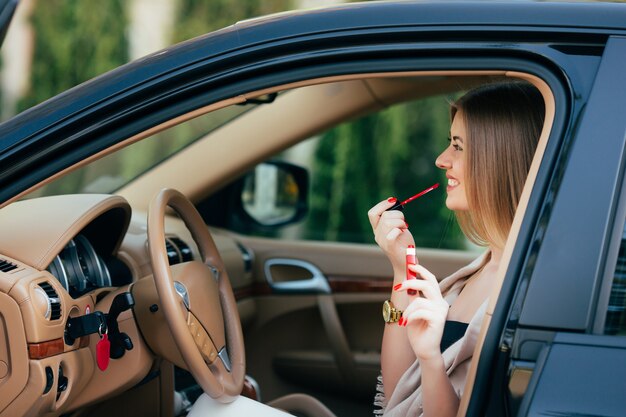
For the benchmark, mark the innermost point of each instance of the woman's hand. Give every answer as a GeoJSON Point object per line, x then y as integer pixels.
{"type": "Point", "coordinates": [391, 233]}
{"type": "Point", "coordinates": [425, 317]}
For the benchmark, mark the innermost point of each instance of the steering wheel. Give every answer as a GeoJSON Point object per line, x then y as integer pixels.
{"type": "Point", "coordinates": [198, 302]}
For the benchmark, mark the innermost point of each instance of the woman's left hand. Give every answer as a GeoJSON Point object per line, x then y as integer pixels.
{"type": "Point", "coordinates": [425, 317]}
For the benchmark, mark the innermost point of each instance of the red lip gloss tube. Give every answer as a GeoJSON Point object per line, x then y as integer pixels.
{"type": "Point", "coordinates": [411, 259]}
{"type": "Point", "coordinates": [400, 205]}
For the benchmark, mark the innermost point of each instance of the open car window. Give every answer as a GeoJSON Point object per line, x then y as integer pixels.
{"type": "Point", "coordinates": [117, 169]}
{"type": "Point", "coordinates": [361, 139]}
{"type": "Point", "coordinates": [356, 164]}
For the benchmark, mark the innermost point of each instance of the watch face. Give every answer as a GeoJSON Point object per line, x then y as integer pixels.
{"type": "Point", "coordinates": [386, 311]}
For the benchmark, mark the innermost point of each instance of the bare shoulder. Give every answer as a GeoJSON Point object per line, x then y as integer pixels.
{"type": "Point", "coordinates": [473, 295]}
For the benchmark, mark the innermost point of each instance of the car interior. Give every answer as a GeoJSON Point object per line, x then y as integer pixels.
{"type": "Point", "coordinates": [192, 266]}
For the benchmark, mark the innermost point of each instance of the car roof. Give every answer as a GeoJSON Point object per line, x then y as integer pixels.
{"type": "Point", "coordinates": [548, 20]}
{"type": "Point", "coordinates": [551, 14]}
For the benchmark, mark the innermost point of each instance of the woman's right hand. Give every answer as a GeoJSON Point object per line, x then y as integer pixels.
{"type": "Point", "coordinates": [391, 233]}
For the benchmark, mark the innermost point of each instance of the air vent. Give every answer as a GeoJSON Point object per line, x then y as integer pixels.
{"type": "Point", "coordinates": [53, 300]}
{"type": "Point", "coordinates": [177, 251]}
{"type": "Point", "coordinates": [6, 266]}
{"type": "Point", "coordinates": [172, 254]}
{"type": "Point", "coordinates": [183, 249]}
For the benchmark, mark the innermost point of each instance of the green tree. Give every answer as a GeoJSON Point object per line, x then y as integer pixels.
{"type": "Point", "coordinates": [390, 153]}
{"type": "Point", "coordinates": [196, 17]}
{"type": "Point", "coordinates": [75, 40]}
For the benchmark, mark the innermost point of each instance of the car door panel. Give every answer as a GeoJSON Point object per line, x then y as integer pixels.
{"type": "Point", "coordinates": [578, 375]}
{"type": "Point", "coordinates": [565, 372]}
{"type": "Point", "coordinates": [323, 340]}
{"type": "Point", "coordinates": [585, 203]}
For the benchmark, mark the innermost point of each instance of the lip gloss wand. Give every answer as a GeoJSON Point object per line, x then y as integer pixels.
{"type": "Point", "coordinates": [400, 206]}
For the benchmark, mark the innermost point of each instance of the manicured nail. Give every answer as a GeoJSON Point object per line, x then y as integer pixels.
{"type": "Point", "coordinates": [404, 322]}
{"type": "Point", "coordinates": [400, 321]}
{"type": "Point", "coordinates": [396, 287]}
{"type": "Point", "coordinates": [406, 224]}
{"type": "Point", "coordinates": [392, 199]}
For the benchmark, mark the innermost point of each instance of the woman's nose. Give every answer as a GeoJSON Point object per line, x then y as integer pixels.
{"type": "Point", "coordinates": [443, 160]}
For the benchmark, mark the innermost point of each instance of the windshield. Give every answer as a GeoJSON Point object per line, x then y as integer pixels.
{"type": "Point", "coordinates": [112, 172]}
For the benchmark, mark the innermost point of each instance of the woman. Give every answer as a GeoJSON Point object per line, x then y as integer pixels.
{"type": "Point", "coordinates": [427, 352]}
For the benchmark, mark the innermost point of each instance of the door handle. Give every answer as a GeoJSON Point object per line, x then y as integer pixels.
{"type": "Point", "coordinates": [315, 283]}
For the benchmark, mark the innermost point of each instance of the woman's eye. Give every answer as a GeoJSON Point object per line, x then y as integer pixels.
{"type": "Point", "coordinates": [454, 144]}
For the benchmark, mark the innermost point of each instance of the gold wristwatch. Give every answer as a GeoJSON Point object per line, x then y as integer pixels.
{"type": "Point", "coordinates": [390, 313]}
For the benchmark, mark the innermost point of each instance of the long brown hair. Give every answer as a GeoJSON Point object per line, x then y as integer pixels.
{"type": "Point", "coordinates": [503, 122]}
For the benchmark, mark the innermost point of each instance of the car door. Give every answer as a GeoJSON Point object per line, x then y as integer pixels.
{"type": "Point", "coordinates": [317, 324]}
{"type": "Point", "coordinates": [123, 106]}
{"type": "Point", "coordinates": [562, 351]}
{"type": "Point", "coordinates": [326, 341]}
{"type": "Point", "coordinates": [320, 288]}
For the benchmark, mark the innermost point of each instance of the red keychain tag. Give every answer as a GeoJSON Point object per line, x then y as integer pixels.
{"type": "Point", "coordinates": [103, 349]}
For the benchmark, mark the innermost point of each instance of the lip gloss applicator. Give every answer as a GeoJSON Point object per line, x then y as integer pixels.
{"type": "Point", "coordinates": [400, 206]}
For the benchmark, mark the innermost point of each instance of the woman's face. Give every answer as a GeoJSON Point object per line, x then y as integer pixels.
{"type": "Point", "coordinates": [452, 159]}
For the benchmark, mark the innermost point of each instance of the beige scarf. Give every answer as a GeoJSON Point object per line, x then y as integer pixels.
{"type": "Point", "coordinates": [406, 399]}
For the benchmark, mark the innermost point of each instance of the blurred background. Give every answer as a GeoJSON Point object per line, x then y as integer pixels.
{"type": "Point", "coordinates": [53, 45]}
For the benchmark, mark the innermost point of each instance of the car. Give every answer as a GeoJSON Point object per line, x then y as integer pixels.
{"type": "Point", "coordinates": [154, 219]}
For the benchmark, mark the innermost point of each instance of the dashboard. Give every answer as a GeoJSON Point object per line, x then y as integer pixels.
{"type": "Point", "coordinates": [65, 259]}
{"type": "Point", "coordinates": [66, 262]}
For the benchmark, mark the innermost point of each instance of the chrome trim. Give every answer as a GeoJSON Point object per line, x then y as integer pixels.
{"type": "Point", "coordinates": [103, 278]}
{"type": "Point", "coordinates": [223, 355]}
{"type": "Point", "coordinates": [181, 290]}
{"type": "Point", "coordinates": [317, 284]}
{"type": "Point", "coordinates": [57, 269]}
{"type": "Point", "coordinates": [49, 309]}
{"type": "Point", "coordinates": [215, 271]}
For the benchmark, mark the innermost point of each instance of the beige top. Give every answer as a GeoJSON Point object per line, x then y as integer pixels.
{"type": "Point", "coordinates": [406, 399]}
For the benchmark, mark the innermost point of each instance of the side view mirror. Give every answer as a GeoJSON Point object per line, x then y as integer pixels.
{"type": "Point", "coordinates": [274, 194]}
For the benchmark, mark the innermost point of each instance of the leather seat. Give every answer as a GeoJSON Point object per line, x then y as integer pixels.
{"type": "Point", "coordinates": [301, 405]}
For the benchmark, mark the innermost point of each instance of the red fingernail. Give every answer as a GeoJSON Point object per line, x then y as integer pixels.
{"type": "Point", "coordinates": [400, 321]}
{"type": "Point", "coordinates": [396, 287]}
{"type": "Point", "coordinates": [392, 199]}
{"type": "Point", "coordinates": [404, 322]}
{"type": "Point", "coordinates": [406, 224]}
{"type": "Point", "coordinates": [411, 292]}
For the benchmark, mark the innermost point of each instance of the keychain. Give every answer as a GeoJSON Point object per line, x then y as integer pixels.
{"type": "Point", "coordinates": [103, 349]}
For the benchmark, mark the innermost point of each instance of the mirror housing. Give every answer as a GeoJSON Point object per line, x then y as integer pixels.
{"type": "Point", "coordinates": [274, 194]}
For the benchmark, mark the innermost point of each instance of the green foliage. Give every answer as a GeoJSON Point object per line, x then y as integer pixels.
{"type": "Point", "coordinates": [390, 153]}
{"type": "Point", "coordinates": [75, 40]}
{"type": "Point", "coordinates": [196, 17]}
{"type": "Point", "coordinates": [357, 164]}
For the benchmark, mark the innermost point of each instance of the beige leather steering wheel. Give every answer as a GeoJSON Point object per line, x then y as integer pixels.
{"type": "Point", "coordinates": [198, 302]}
